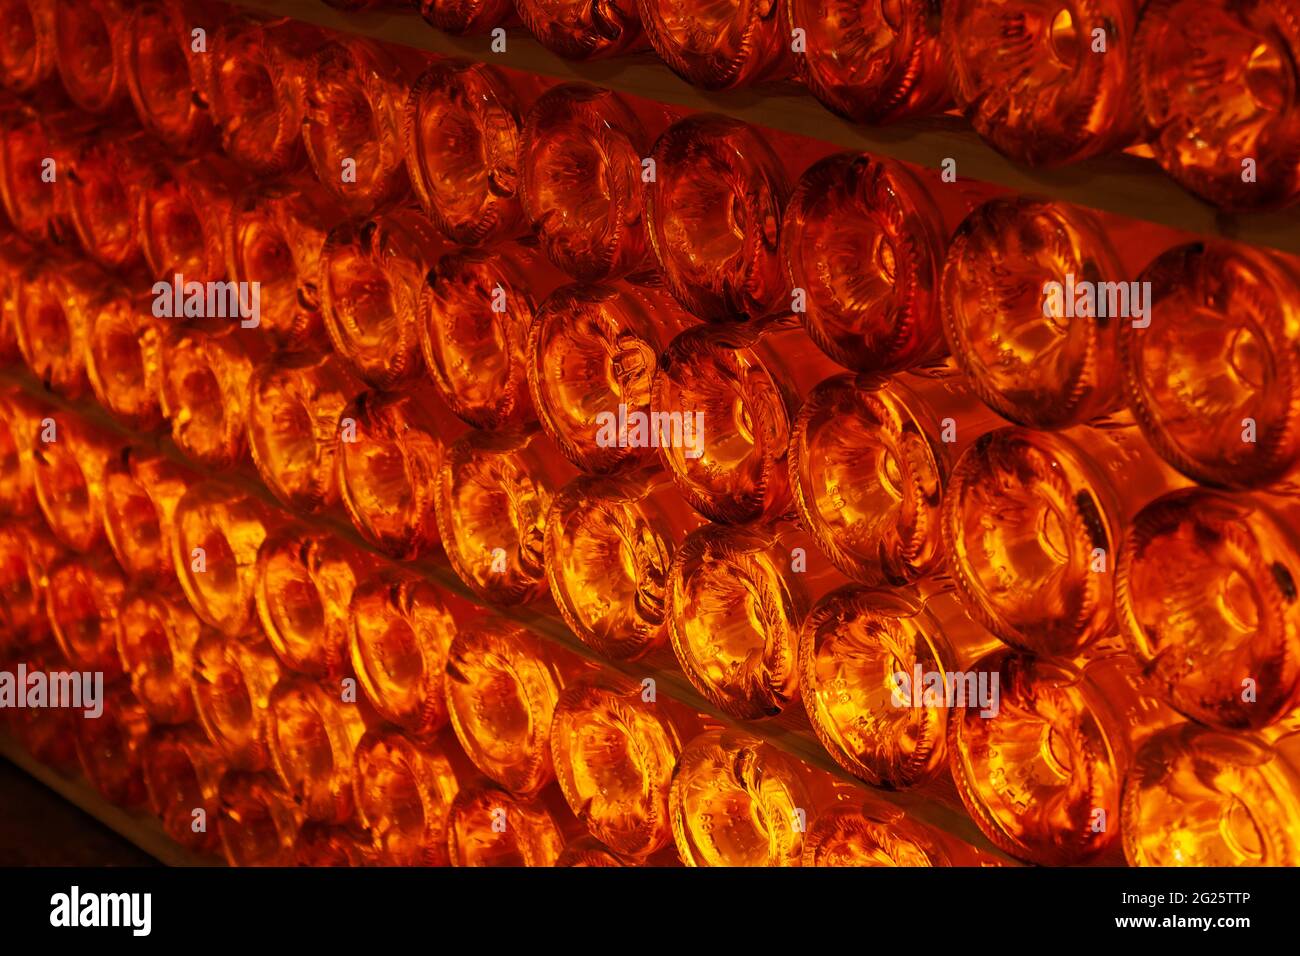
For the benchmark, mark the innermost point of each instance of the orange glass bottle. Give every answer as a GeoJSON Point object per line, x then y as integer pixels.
{"type": "Point", "coordinates": [575, 137]}
{"type": "Point", "coordinates": [720, 267]}
{"type": "Point", "coordinates": [1044, 84]}
{"type": "Point", "coordinates": [352, 127]}
{"type": "Point", "coordinates": [27, 56]}
{"type": "Point", "coordinates": [614, 752]}
{"type": "Point", "coordinates": [276, 234]}
{"type": "Point", "coordinates": [1200, 797]}
{"type": "Point", "coordinates": [141, 491]}
{"type": "Point", "coordinates": [313, 735]}
{"type": "Point", "coordinates": [90, 52]}
{"type": "Point", "coordinates": [588, 851]}
{"type": "Point", "coordinates": [736, 389]}
{"type": "Point", "coordinates": [69, 479]}
{"type": "Point", "coordinates": [324, 845]}
{"type": "Point", "coordinates": [609, 545]}
{"type": "Point", "coordinates": [304, 587]}
{"type": "Point", "coordinates": [466, 17]}
{"type": "Point", "coordinates": [33, 199]}
{"type": "Point", "coordinates": [156, 634]}
{"type": "Point", "coordinates": [1204, 596]}
{"type": "Point", "coordinates": [20, 423]}
{"type": "Point", "coordinates": [104, 178]}
{"type": "Point", "coordinates": [46, 733]}
{"type": "Point", "coordinates": [122, 360]}
{"type": "Point", "coordinates": [82, 599]}
{"type": "Point", "coordinates": [387, 462]}
{"type": "Point", "coordinates": [1216, 84]}
{"type": "Point", "coordinates": [28, 552]}
{"type": "Point", "coordinates": [492, 496]}
{"type": "Point", "coordinates": [205, 392]}
{"type": "Point", "coordinates": [863, 245]}
{"type": "Point", "coordinates": [502, 685]}
{"type": "Point", "coordinates": [477, 356]}
{"type": "Point", "coordinates": [183, 220]}
{"type": "Point", "coordinates": [400, 628]}
{"type": "Point", "coordinates": [487, 826]}
{"type": "Point", "coordinates": [169, 81]}
{"type": "Point", "coordinates": [182, 773]}
{"type": "Point", "coordinates": [737, 600]}
{"type": "Point", "coordinates": [582, 30]}
{"type": "Point", "coordinates": [370, 277]}
{"type": "Point", "coordinates": [720, 47]}
{"type": "Point", "coordinates": [54, 304]}
{"type": "Point", "coordinates": [1214, 379]}
{"type": "Point", "coordinates": [871, 834]}
{"type": "Point", "coordinates": [232, 680]}
{"type": "Point", "coordinates": [462, 131]}
{"type": "Point", "coordinates": [109, 748]}
{"type": "Point", "coordinates": [738, 801]}
{"type": "Point", "coordinates": [259, 90]}
{"type": "Point", "coordinates": [404, 793]}
{"type": "Point", "coordinates": [258, 822]}
{"type": "Point", "coordinates": [873, 63]}
{"type": "Point", "coordinates": [15, 253]}
{"type": "Point", "coordinates": [1025, 314]}
{"type": "Point", "coordinates": [293, 426]}
{"type": "Point", "coordinates": [215, 536]}
{"type": "Point", "coordinates": [591, 359]}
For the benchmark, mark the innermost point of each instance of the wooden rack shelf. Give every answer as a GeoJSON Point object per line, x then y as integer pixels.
{"type": "Point", "coordinates": [1123, 184]}
{"type": "Point", "coordinates": [937, 804]}
{"type": "Point", "coordinates": [139, 828]}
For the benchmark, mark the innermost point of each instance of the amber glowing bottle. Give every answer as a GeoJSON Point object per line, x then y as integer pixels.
{"type": "Point", "coordinates": [141, 491]}
{"type": "Point", "coordinates": [205, 392]}
{"type": "Point", "coordinates": [487, 826]}
{"type": "Point", "coordinates": [313, 734]}
{"type": "Point", "coordinates": [1024, 313]}
{"type": "Point", "coordinates": [387, 460]}
{"type": "Point", "coordinates": [28, 552]}
{"type": "Point", "coordinates": [82, 598]}
{"type": "Point", "coordinates": [156, 634]}
{"type": "Point", "coordinates": [259, 822]}
{"type": "Point", "coordinates": [69, 479]}
{"type": "Point", "coordinates": [355, 92]}
{"type": "Point", "coordinates": [502, 685]}
{"type": "Point", "coordinates": [737, 600]}
{"type": "Point", "coordinates": [492, 497]}
{"type": "Point", "coordinates": [738, 801]}
{"type": "Point", "coordinates": [15, 253]}
{"type": "Point", "coordinates": [104, 179]}
{"type": "Point", "coordinates": [1216, 83]}
{"type": "Point", "coordinates": [581, 29]}
{"type": "Point", "coordinates": [614, 746]}
{"type": "Point", "coordinates": [1033, 522]}
{"type": "Point", "coordinates": [183, 220]}
{"type": "Point", "coordinates": [714, 217]}
{"type": "Point", "coordinates": [370, 277]}
{"type": "Point", "coordinates": [1200, 797]}
{"type": "Point", "coordinates": [1040, 757]}
{"type": "Point", "coordinates": [476, 307]}
{"type": "Point", "coordinates": [466, 17]}
{"type": "Point", "coordinates": [34, 203]}
{"type": "Point", "coordinates": [122, 358]}
{"type": "Point", "coordinates": [720, 46]}
{"type": "Point", "coordinates": [403, 795]}
{"type": "Point", "coordinates": [1043, 83]}
{"type": "Point", "coordinates": [591, 358]}
{"type": "Point", "coordinates": [259, 90]}
{"type": "Point", "coordinates": [324, 845]}
{"type": "Point", "coordinates": [870, 834]}
{"type": "Point", "coordinates": [736, 390]}
{"type": "Point", "coordinates": [232, 680]}
{"type": "Point", "coordinates": [215, 536]}
{"type": "Point", "coordinates": [276, 234]}
{"type": "Point", "coordinates": [182, 773]}
{"type": "Point", "coordinates": [293, 426]}
{"type": "Point", "coordinates": [581, 181]}
{"type": "Point", "coordinates": [863, 245]}
{"type": "Point", "coordinates": [47, 733]}
{"type": "Point", "coordinates": [54, 304]}
{"type": "Point", "coordinates": [109, 748]}
{"type": "Point", "coordinates": [168, 79]}
{"type": "Point", "coordinates": [1214, 379]}
{"type": "Point", "coordinates": [609, 545]}
{"type": "Point", "coordinates": [400, 628]}
{"type": "Point", "coordinates": [873, 63]}
{"type": "Point", "coordinates": [304, 586]}
{"type": "Point", "coordinates": [27, 51]}
{"type": "Point", "coordinates": [462, 130]}
{"type": "Point", "coordinates": [1204, 595]}
{"type": "Point", "coordinates": [588, 851]}
{"type": "Point", "coordinates": [90, 52]}
{"type": "Point", "coordinates": [20, 424]}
